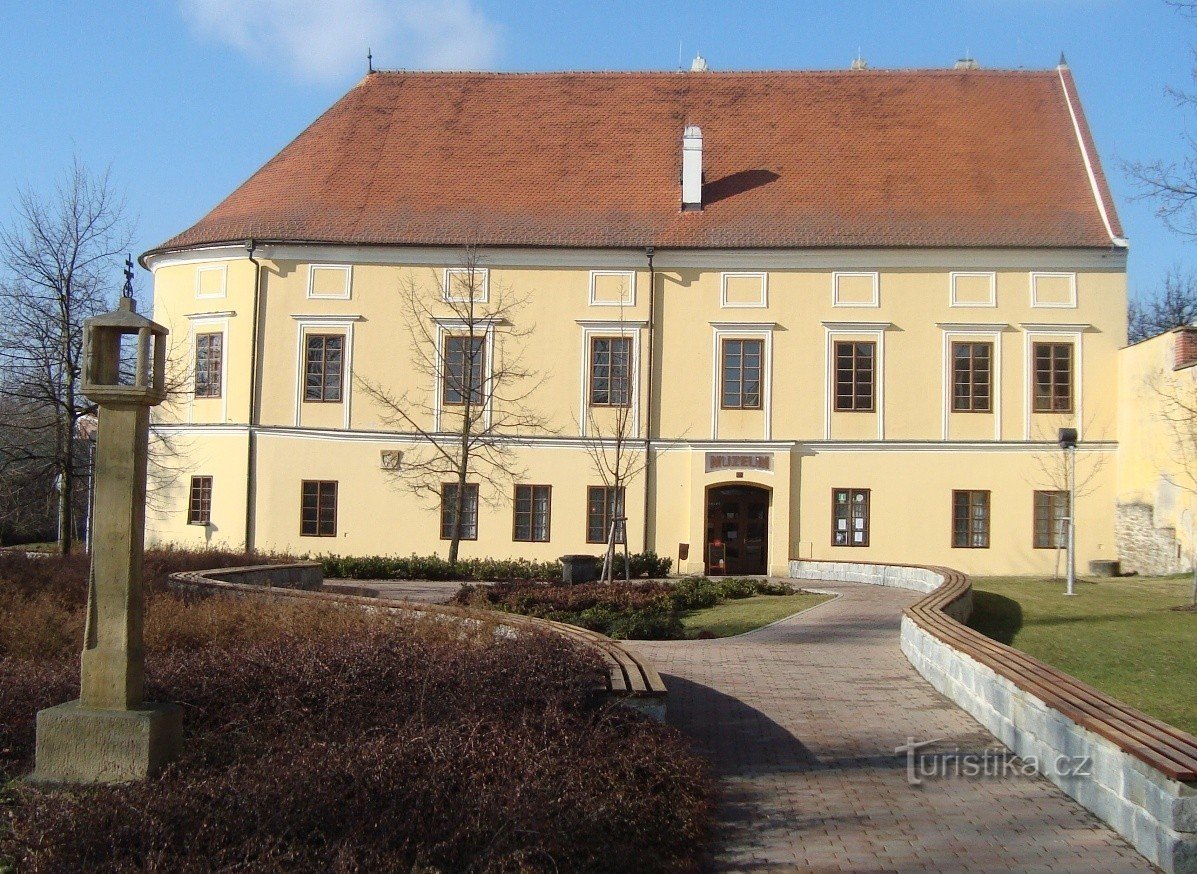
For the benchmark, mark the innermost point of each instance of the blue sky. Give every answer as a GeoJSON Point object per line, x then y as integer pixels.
{"type": "Point", "coordinates": [183, 99]}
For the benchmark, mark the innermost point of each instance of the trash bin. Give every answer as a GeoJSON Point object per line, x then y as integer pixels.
{"type": "Point", "coordinates": [579, 569]}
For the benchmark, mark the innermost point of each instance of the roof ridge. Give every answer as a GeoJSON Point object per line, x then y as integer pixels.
{"type": "Point", "coordinates": [871, 71]}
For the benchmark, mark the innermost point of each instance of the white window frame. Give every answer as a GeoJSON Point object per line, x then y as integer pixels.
{"type": "Point", "coordinates": [852, 331]}
{"type": "Point", "coordinates": [629, 275]}
{"type": "Point", "coordinates": [347, 269]}
{"type": "Point", "coordinates": [1043, 274]}
{"type": "Point", "coordinates": [454, 327]}
{"type": "Point", "coordinates": [744, 274]}
{"type": "Point", "coordinates": [211, 323]}
{"type": "Point", "coordinates": [446, 284]}
{"type": "Point", "coordinates": [223, 270]}
{"type": "Point", "coordinates": [610, 328]}
{"type": "Point", "coordinates": [763, 331]}
{"type": "Point", "coordinates": [835, 288]}
{"type": "Point", "coordinates": [1033, 333]}
{"type": "Point", "coordinates": [985, 274]}
{"type": "Point", "coordinates": [965, 332]}
{"type": "Point", "coordinates": [314, 324]}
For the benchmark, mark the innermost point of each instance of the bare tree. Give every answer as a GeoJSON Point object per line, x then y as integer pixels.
{"type": "Point", "coordinates": [612, 422]}
{"type": "Point", "coordinates": [1175, 304]}
{"type": "Point", "coordinates": [466, 342]}
{"type": "Point", "coordinates": [1173, 184]}
{"type": "Point", "coordinates": [60, 268]}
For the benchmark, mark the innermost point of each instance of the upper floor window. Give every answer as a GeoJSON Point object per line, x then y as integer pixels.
{"type": "Point", "coordinates": [604, 507]}
{"type": "Point", "coordinates": [850, 517]}
{"type": "Point", "coordinates": [323, 366]}
{"type": "Point", "coordinates": [199, 505]}
{"type": "Point", "coordinates": [970, 519]}
{"type": "Point", "coordinates": [469, 511]}
{"type": "Point", "coordinates": [532, 506]}
{"type": "Point", "coordinates": [972, 377]}
{"type": "Point", "coordinates": [209, 361]}
{"type": "Point", "coordinates": [1050, 520]}
{"type": "Point", "coordinates": [854, 368]}
{"type": "Point", "coordinates": [742, 374]}
{"type": "Point", "coordinates": [463, 370]}
{"type": "Point", "coordinates": [1053, 377]}
{"type": "Point", "coordinates": [610, 371]}
{"type": "Point", "coordinates": [318, 509]}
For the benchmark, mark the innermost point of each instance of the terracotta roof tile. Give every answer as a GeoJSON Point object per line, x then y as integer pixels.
{"type": "Point", "coordinates": [792, 159]}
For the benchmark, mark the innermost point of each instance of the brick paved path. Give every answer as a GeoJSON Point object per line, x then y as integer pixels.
{"type": "Point", "coordinates": [801, 720]}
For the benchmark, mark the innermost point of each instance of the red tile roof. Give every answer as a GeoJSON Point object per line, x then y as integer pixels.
{"type": "Point", "coordinates": [792, 159]}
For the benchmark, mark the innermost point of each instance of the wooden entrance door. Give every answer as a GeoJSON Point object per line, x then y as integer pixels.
{"type": "Point", "coordinates": [737, 530]}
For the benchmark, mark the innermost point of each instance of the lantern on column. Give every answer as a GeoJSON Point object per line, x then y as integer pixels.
{"type": "Point", "coordinates": [110, 734]}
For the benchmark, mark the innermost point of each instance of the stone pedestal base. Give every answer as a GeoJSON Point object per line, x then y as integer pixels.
{"type": "Point", "coordinates": [76, 744]}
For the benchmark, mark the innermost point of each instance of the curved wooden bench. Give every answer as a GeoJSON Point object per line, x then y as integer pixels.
{"type": "Point", "coordinates": [1168, 749]}
{"type": "Point", "coordinates": [629, 675]}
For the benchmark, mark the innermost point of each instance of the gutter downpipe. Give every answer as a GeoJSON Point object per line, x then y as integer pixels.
{"type": "Point", "coordinates": [649, 252]}
{"type": "Point", "coordinates": [251, 442]}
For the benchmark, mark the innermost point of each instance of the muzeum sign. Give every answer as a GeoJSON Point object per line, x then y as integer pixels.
{"type": "Point", "coordinates": [717, 461]}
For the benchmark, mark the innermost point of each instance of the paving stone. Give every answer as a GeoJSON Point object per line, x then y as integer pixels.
{"type": "Point", "coordinates": [801, 720]}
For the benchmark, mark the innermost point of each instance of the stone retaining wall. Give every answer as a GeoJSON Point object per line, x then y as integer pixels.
{"type": "Point", "coordinates": [1156, 813]}
{"type": "Point", "coordinates": [1143, 547]}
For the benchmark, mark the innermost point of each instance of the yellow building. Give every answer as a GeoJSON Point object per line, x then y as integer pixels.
{"type": "Point", "coordinates": [837, 315]}
{"type": "Point", "coordinates": [1156, 514]}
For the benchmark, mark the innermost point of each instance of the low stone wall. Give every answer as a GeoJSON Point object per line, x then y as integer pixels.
{"type": "Point", "coordinates": [1142, 774]}
{"type": "Point", "coordinates": [307, 576]}
{"type": "Point", "coordinates": [631, 678]}
{"type": "Point", "coordinates": [1143, 547]}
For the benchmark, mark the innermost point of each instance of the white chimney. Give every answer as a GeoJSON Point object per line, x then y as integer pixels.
{"type": "Point", "coordinates": [691, 169]}
{"type": "Point", "coordinates": [699, 64]}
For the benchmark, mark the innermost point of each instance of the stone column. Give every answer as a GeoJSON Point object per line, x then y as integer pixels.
{"type": "Point", "coordinates": [110, 734]}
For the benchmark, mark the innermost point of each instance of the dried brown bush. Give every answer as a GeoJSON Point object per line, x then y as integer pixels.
{"type": "Point", "coordinates": [322, 739]}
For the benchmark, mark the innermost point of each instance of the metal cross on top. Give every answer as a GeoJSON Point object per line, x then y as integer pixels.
{"type": "Point", "coordinates": [128, 292]}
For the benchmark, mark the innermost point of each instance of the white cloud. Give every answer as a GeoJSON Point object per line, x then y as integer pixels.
{"type": "Point", "coordinates": [325, 40]}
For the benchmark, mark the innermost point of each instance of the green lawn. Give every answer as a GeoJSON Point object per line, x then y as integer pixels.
{"type": "Point", "coordinates": [744, 614]}
{"type": "Point", "coordinates": [1118, 635]}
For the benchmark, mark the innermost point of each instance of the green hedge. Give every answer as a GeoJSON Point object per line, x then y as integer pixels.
{"type": "Point", "coordinates": [432, 567]}
{"type": "Point", "coordinates": [641, 610]}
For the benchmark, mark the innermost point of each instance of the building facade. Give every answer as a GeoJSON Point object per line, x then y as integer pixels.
{"type": "Point", "coordinates": [825, 315]}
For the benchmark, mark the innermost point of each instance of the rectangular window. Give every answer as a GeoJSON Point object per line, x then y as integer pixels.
{"type": "Point", "coordinates": [1051, 520]}
{"type": "Point", "coordinates": [1053, 377]}
{"type": "Point", "coordinates": [610, 371]}
{"type": "Point", "coordinates": [849, 517]}
{"type": "Point", "coordinates": [972, 377]}
{"type": "Point", "coordinates": [742, 374]}
{"type": "Point", "coordinates": [469, 511]}
{"type": "Point", "coordinates": [199, 506]}
{"type": "Point", "coordinates": [462, 378]}
{"type": "Point", "coordinates": [854, 376]}
{"type": "Point", "coordinates": [323, 364]}
{"type": "Point", "coordinates": [209, 360]}
{"type": "Point", "coordinates": [970, 519]}
{"type": "Point", "coordinates": [603, 506]}
{"type": "Point", "coordinates": [532, 507]}
{"type": "Point", "coordinates": [318, 512]}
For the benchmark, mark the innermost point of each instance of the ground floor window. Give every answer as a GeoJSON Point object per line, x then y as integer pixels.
{"type": "Point", "coordinates": [532, 505]}
{"type": "Point", "coordinates": [970, 519]}
{"type": "Point", "coordinates": [469, 511]}
{"type": "Point", "coordinates": [199, 507]}
{"type": "Point", "coordinates": [318, 513]}
{"type": "Point", "coordinates": [1051, 519]}
{"type": "Point", "coordinates": [849, 517]}
{"type": "Point", "coordinates": [604, 504]}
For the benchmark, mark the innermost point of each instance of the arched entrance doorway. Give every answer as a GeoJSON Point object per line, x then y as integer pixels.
{"type": "Point", "coordinates": [737, 535]}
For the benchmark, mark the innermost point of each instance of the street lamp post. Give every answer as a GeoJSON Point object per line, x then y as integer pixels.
{"type": "Point", "coordinates": [1068, 439]}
